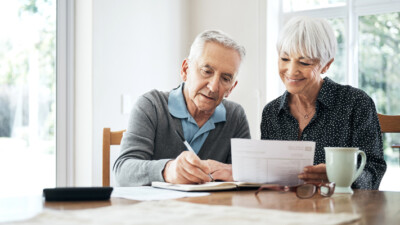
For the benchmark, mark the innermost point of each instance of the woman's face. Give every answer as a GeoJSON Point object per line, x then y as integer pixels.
{"type": "Point", "coordinates": [300, 75]}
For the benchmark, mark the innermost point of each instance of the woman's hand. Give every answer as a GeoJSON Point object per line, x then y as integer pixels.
{"type": "Point", "coordinates": [314, 174]}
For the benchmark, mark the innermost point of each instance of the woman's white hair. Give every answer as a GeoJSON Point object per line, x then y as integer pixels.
{"type": "Point", "coordinates": [308, 37]}
{"type": "Point", "coordinates": [214, 36]}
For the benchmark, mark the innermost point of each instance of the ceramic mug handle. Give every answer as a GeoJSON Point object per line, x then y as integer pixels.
{"type": "Point", "coordinates": [363, 161]}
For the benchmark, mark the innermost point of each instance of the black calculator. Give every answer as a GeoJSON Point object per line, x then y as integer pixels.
{"type": "Point", "coordinates": [77, 193]}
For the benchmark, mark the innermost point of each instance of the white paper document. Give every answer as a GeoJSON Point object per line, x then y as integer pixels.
{"type": "Point", "coordinates": [146, 193]}
{"type": "Point", "coordinates": [270, 161]}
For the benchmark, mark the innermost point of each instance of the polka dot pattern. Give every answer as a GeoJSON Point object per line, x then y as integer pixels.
{"type": "Point", "coordinates": [345, 117]}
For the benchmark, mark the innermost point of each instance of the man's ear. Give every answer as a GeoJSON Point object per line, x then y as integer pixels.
{"type": "Point", "coordinates": [231, 89]}
{"type": "Point", "coordinates": [326, 68]}
{"type": "Point", "coordinates": [184, 69]}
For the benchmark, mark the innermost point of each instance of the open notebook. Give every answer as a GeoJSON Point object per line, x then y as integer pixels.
{"type": "Point", "coordinates": [210, 186]}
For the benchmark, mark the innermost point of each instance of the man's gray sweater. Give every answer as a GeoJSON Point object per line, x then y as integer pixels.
{"type": "Point", "coordinates": [150, 140]}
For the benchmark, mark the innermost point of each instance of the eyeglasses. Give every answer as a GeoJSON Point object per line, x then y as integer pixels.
{"type": "Point", "coordinates": [307, 190]}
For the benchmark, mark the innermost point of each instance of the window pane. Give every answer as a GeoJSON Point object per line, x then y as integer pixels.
{"type": "Point", "coordinates": [299, 5]}
{"type": "Point", "coordinates": [27, 95]}
{"type": "Point", "coordinates": [337, 71]}
{"type": "Point", "coordinates": [379, 60]}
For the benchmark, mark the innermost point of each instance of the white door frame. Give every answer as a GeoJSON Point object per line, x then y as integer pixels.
{"type": "Point", "coordinates": [65, 93]}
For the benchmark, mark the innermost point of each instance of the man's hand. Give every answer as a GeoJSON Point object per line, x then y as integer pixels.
{"type": "Point", "coordinates": [314, 174]}
{"type": "Point", "coordinates": [220, 171]}
{"type": "Point", "coordinates": [187, 168]}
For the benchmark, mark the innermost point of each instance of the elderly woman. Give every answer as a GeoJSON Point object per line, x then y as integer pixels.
{"type": "Point", "coordinates": [318, 109]}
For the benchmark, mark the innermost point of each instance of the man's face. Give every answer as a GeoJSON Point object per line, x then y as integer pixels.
{"type": "Point", "coordinates": [210, 77]}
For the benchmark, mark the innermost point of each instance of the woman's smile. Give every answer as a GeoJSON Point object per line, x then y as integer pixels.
{"type": "Point", "coordinates": [294, 80]}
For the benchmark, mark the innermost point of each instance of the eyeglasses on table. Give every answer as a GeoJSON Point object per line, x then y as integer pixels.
{"type": "Point", "coordinates": [307, 190]}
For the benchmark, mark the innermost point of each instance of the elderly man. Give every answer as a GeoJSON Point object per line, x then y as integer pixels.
{"type": "Point", "coordinates": [151, 149]}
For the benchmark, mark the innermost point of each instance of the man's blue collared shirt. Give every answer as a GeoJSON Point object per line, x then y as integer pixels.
{"type": "Point", "coordinates": [194, 135]}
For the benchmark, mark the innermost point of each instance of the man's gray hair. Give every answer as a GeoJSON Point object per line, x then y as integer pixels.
{"type": "Point", "coordinates": [308, 37]}
{"type": "Point", "coordinates": [214, 36]}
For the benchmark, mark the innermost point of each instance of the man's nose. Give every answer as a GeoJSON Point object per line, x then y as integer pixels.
{"type": "Point", "coordinates": [213, 83]}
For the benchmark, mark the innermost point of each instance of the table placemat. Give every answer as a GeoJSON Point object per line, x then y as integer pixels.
{"type": "Point", "coordinates": [176, 212]}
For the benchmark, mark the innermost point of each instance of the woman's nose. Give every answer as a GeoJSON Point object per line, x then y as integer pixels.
{"type": "Point", "coordinates": [292, 68]}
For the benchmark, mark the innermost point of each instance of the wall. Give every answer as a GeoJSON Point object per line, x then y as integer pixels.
{"type": "Point", "coordinates": [139, 45]}
{"type": "Point", "coordinates": [245, 22]}
{"type": "Point", "coordinates": [83, 94]}
{"type": "Point", "coordinates": [136, 48]}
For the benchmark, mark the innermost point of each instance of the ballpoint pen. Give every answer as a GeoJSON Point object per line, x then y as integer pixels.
{"type": "Point", "coordinates": [191, 149]}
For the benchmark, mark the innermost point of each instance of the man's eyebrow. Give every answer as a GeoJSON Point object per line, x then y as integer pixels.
{"type": "Point", "coordinates": [211, 68]}
{"type": "Point", "coordinates": [227, 74]}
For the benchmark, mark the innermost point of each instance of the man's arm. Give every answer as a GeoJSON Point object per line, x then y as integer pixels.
{"type": "Point", "coordinates": [134, 166]}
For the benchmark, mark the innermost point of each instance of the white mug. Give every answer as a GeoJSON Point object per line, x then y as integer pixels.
{"type": "Point", "coordinates": [341, 167]}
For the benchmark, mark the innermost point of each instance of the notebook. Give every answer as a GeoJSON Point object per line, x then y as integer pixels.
{"type": "Point", "coordinates": [209, 186]}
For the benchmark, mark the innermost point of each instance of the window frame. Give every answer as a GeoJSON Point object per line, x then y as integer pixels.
{"type": "Point", "coordinates": [65, 93]}
{"type": "Point", "coordinates": [349, 12]}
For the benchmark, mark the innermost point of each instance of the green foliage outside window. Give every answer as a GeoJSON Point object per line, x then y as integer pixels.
{"type": "Point", "coordinates": [379, 68]}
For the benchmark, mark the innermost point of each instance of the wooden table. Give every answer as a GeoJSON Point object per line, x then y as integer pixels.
{"type": "Point", "coordinates": [375, 207]}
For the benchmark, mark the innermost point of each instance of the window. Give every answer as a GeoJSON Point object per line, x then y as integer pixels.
{"type": "Point", "coordinates": [338, 69]}
{"type": "Point", "coordinates": [27, 95]}
{"type": "Point", "coordinates": [301, 5]}
{"type": "Point", "coordinates": [368, 36]}
{"type": "Point", "coordinates": [378, 75]}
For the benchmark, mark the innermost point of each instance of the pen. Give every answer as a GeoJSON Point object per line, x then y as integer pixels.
{"type": "Point", "coordinates": [185, 142]}
{"type": "Point", "coordinates": [191, 149]}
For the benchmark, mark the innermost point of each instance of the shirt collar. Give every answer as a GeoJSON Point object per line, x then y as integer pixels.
{"type": "Point", "coordinates": [284, 101]}
{"type": "Point", "coordinates": [219, 114]}
{"type": "Point", "coordinates": [326, 95]}
{"type": "Point", "coordinates": [177, 106]}
{"type": "Point", "coordinates": [176, 103]}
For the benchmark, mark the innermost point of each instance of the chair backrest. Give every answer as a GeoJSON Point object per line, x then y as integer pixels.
{"type": "Point", "coordinates": [109, 138]}
{"type": "Point", "coordinates": [389, 124]}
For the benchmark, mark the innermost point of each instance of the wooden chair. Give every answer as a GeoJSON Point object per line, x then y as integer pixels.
{"type": "Point", "coordinates": [390, 124]}
{"type": "Point", "coordinates": [109, 138]}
